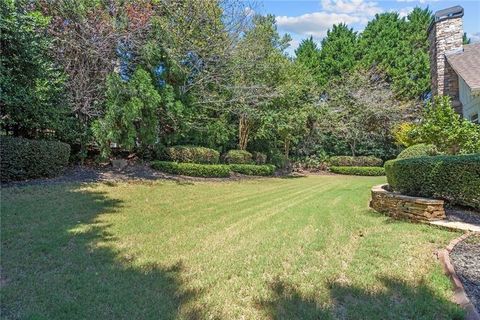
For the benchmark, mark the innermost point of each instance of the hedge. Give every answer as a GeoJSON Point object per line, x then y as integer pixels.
{"type": "Point", "coordinates": [359, 171]}
{"type": "Point", "coordinates": [193, 169]}
{"type": "Point", "coordinates": [192, 154]}
{"type": "Point", "coordinates": [452, 178]}
{"type": "Point", "coordinates": [28, 159]}
{"type": "Point", "coordinates": [238, 157]}
{"type": "Point", "coordinates": [361, 161]}
{"type": "Point", "coordinates": [418, 150]}
{"type": "Point", "coordinates": [253, 170]}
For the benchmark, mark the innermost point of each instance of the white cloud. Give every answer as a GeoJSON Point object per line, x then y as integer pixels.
{"type": "Point", "coordinates": [316, 23]}
{"type": "Point", "coordinates": [356, 7]}
{"type": "Point", "coordinates": [403, 12]}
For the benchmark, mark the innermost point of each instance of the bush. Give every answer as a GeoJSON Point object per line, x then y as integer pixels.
{"type": "Point", "coordinates": [253, 170]}
{"type": "Point", "coordinates": [359, 171]}
{"type": "Point", "coordinates": [453, 178]}
{"type": "Point", "coordinates": [418, 150]}
{"type": "Point", "coordinates": [238, 157]}
{"type": "Point", "coordinates": [192, 154]}
{"type": "Point", "coordinates": [349, 161]}
{"type": "Point", "coordinates": [28, 159]}
{"type": "Point", "coordinates": [259, 158]}
{"type": "Point", "coordinates": [193, 169]}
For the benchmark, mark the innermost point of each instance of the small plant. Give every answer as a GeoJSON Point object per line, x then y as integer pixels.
{"type": "Point", "coordinates": [192, 154]}
{"type": "Point", "coordinates": [259, 157]}
{"type": "Point", "coordinates": [361, 161]}
{"type": "Point", "coordinates": [193, 169]}
{"type": "Point", "coordinates": [238, 157]}
{"type": "Point", "coordinates": [253, 170]}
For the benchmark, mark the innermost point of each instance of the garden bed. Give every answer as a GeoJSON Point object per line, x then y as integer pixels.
{"type": "Point", "coordinates": [465, 257]}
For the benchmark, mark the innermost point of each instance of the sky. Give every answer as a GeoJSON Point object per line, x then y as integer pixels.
{"type": "Point", "coordinates": [305, 18]}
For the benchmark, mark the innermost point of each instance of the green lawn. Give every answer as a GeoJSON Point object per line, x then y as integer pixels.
{"type": "Point", "coordinates": [303, 248]}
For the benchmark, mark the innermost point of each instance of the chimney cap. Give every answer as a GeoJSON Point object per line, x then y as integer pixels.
{"type": "Point", "coordinates": [448, 13]}
{"type": "Point", "coordinates": [444, 14]}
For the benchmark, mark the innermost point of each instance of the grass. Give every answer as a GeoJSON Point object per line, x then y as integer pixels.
{"type": "Point", "coordinates": [306, 248]}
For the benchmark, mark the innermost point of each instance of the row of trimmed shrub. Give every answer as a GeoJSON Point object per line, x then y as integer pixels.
{"type": "Point", "coordinates": [22, 159]}
{"type": "Point", "coordinates": [212, 170]}
{"type": "Point", "coordinates": [360, 161]}
{"type": "Point", "coordinates": [453, 178]}
{"type": "Point", "coordinates": [359, 171]}
{"type": "Point", "coordinates": [193, 154]}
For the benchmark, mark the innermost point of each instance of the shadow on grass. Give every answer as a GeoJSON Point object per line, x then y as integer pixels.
{"type": "Point", "coordinates": [397, 301]}
{"type": "Point", "coordinates": [58, 262]}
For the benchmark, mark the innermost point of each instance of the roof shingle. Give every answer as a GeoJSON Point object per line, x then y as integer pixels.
{"type": "Point", "coordinates": [467, 64]}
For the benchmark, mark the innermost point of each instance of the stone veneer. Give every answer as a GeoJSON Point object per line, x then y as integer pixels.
{"type": "Point", "coordinates": [401, 206]}
{"type": "Point", "coordinates": [445, 36]}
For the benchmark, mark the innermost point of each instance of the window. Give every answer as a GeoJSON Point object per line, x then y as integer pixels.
{"type": "Point", "coordinates": [474, 118]}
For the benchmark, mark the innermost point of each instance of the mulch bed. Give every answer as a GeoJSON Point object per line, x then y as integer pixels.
{"type": "Point", "coordinates": [138, 171]}
{"type": "Point", "coordinates": [465, 257]}
{"type": "Point", "coordinates": [463, 215]}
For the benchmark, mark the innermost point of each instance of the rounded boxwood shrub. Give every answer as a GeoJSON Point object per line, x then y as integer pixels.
{"type": "Point", "coordinates": [193, 169]}
{"type": "Point", "coordinates": [361, 161]}
{"type": "Point", "coordinates": [418, 150]}
{"type": "Point", "coordinates": [359, 171]}
{"type": "Point", "coordinates": [238, 157]}
{"type": "Point", "coordinates": [253, 170]}
{"type": "Point", "coordinates": [192, 154]}
{"type": "Point", "coordinates": [28, 159]}
{"type": "Point", "coordinates": [453, 178]}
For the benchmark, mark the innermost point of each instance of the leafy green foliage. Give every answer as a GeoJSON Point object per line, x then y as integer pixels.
{"type": "Point", "coordinates": [359, 171]}
{"type": "Point", "coordinates": [418, 150]}
{"type": "Point", "coordinates": [253, 169]}
{"type": "Point", "coordinates": [193, 169]}
{"type": "Point", "coordinates": [22, 159]}
{"type": "Point", "coordinates": [31, 87]}
{"type": "Point", "coordinates": [337, 55]}
{"type": "Point", "coordinates": [443, 127]}
{"type": "Point", "coordinates": [259, 157]}
{"type": "Point", "coordinates": [360, 161]}
{"type": "Point", "coordinates": [308, 55]}
{"type": "Point", "coordinates": [192, 154]}
{"type": "Point", "coordinates": [399, 47]}
{"type": "Point", "coordinates": [453, 178]}
{"type": "Point", "coordinates": [238, 157]}
{"type": "Point", "coordinates": [404, 134]}
{"type": "Point", "coordinates": [131, 116]}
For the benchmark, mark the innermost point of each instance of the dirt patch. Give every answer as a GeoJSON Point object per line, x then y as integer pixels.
{"type": "Point", "coordinates": [465, 258]}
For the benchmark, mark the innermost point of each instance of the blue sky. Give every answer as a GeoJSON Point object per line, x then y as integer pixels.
{"type": "Point", "coordinates": [303, 18]}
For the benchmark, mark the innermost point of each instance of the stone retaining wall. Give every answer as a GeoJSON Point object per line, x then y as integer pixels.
{"type": "Point", "coordinates": [401, 206]}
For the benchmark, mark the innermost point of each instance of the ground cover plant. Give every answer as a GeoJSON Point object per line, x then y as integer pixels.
{"type": "Point", "coordinates": [303, 248]}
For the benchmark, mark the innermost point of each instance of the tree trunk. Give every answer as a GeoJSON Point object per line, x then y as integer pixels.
{"type": "Point", "coordinates": [243, 131]}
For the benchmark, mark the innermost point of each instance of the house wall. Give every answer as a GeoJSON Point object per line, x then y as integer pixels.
{"type": "Point", "coordinates": [470, 103]}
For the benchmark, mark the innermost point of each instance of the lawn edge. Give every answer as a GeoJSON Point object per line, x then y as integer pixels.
{"type": "Point", "coordinates": [459, 295]}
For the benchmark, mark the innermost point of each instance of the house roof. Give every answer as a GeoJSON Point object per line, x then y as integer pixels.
{"type": "Point", "coordinates": [466, 64]}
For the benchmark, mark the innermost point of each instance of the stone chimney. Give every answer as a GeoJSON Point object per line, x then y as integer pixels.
{"type": "Point", "coordinates": [445, 35]}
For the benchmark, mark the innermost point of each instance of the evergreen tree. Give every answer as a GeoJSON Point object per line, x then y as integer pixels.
{"type": "Point", "coordinates": [308, 55]}
{"type": "Point", "coordinates": [337, 55]}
